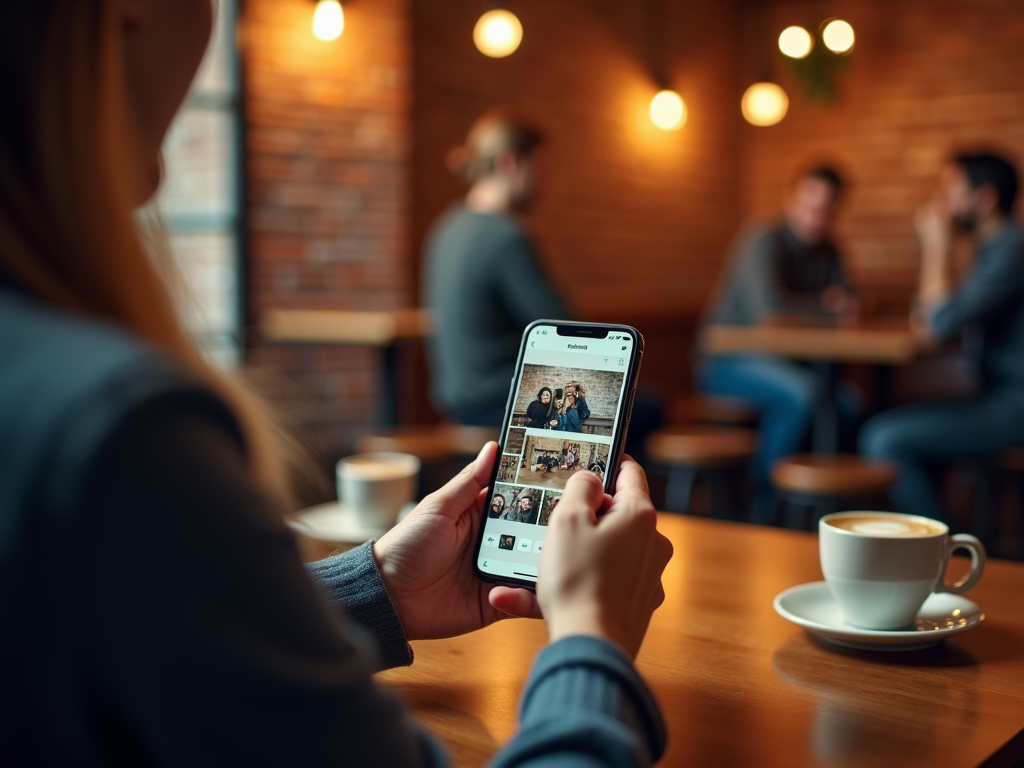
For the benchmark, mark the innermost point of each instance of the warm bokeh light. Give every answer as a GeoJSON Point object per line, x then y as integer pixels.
{"type": "Point", "coordinates": [328, 20]}
{"type": "Point", "coordinates": [667, 111]}
{"type": "Point", "coordinates": [498, 33]}
{"type": "Point", "coordinates": [764, 104]}
{"type": "Point", "coordinates": [795, 42]}
{"type": "Point", "coordinates": [838, 36]}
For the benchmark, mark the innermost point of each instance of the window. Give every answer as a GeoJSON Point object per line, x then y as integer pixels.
{"type": "Point", "coordinates": [200, 199]}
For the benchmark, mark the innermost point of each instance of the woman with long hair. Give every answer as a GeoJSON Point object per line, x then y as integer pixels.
{"type": "Point", "coordinates": [567, 418]}
{"type": "Point", "coordinates": [156, 611]}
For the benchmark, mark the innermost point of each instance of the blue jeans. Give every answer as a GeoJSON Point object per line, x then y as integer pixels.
{"type": "Point", "coordinates": [919, 437]}
{"type": "Point", "coordinates": [785, 393]}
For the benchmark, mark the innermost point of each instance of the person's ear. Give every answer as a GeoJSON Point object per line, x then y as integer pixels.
{"type": "Point", "coordinates": [133, 13]}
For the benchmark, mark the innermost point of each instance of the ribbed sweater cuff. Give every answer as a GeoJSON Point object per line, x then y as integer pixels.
{"type": "Point", "coordinates": [587, 674]}
{"type": "Point", "coordinates": [353, 584]}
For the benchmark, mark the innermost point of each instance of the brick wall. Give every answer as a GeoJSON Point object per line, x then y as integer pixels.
{"type": "Point", "coordinates": [925, 76]}
{"type": "Point", "coordinates": [327, 153]}
{"type": "Point", "coordinates": [603, 388]}
{"type": "Point", "coordinates": [633, 220]}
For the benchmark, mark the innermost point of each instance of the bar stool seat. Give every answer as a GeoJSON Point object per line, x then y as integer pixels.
{"type": "Point", "coordinates": [695, 408]}
{"type": "Point", "coordinates": [821, 483]}
{"type": "Point", "coordinates": [692, 451]}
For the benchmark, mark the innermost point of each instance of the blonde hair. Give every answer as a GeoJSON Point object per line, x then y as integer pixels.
{"type": "Point", "coordinates": [492, 134]}
{"type": "Point", "coordinates": [67, 233]}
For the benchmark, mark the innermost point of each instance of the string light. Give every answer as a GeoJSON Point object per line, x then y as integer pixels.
{"type": "Point", "coordinates": [764, 104]}
{"type": "Point", "coordinates": [838, 36]}
{"type": "Point", "coordinates": [328, 20]}
{"type": "Point", "coordinates": [498, 33]}
{"type": "Point", "coordinates": [667, 111]}
{"type": "Point", "coordinates": [796, 42]}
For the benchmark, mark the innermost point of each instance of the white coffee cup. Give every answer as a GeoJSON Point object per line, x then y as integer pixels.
{"type": "Point", "coordinates": [881, 566]}
{"type": "Point", "coordinates": [376, 486]}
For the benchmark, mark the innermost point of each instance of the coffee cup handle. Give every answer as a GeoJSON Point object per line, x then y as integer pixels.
{"type": "Point", "coordinates": [977, 550]}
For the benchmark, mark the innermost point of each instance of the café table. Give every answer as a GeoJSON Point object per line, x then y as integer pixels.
{"type": "Point", "coordinates": [739, 686]}
{"type": "Point", "coordinates": [381, 329]}
{"type": "Point", "coordinates": [881, 343]}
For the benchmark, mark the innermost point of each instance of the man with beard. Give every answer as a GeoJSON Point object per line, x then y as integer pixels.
{"type": "Point", "coordinates": [975, 198]}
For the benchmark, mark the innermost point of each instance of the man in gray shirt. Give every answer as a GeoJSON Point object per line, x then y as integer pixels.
{"type": "Point", "coordinates": [482, 281]}
{"type": "Point", "coordinates": [976, 197]}
{"type": "Point", "coordinates": [791, 269]}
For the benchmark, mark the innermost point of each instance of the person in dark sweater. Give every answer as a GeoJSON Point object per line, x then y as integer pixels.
{"type": "Point", "coordinates": [541, 411]}
{"type": "Point", "coordinates": [155, 608]}
{"type": "Point", "coordinates": [482, 280]}
{"type": "Point", "coordinates": [975, 198]}
{"type": "Point", "coordinates": [789, 270]}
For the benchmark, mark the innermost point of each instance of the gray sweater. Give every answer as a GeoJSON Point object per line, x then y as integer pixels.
{"type": "Point", "coordinates": [773, 273]}
{"type": "Point", "coordinates": [483, 285]}
{"type": "Point", "coordinates": [155, 609]}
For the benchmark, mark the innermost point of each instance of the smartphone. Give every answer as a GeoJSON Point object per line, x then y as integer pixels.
{"type": "Point", "coordinates": [568, 410]}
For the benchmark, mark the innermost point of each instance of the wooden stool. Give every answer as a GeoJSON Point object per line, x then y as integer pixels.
{"type": "Point", "coordinates": [696, 408]}
{"type": "Point", "coordinates": [443, 448]}
{"type": "Point", "coordinates": [714, 452]}
{"type": "Point", "coordinates": [822, 483]}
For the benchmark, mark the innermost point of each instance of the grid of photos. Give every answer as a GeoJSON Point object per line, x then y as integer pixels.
{"type": "Point", "coordinates": [562, 423]}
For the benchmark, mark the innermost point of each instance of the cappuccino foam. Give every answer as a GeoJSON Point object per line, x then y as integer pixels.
{"type": "Point", "coordinates": [886, 525]}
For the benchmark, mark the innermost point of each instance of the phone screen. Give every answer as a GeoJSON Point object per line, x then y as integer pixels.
{"type": "Point", "coordinates": [567, 413]}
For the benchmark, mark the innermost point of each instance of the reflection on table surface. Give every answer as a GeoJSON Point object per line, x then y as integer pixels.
{"type": "Point", "coordinates": [741, 687]}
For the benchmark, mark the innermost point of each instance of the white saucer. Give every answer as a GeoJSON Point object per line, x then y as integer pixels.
{"type": "Point", "coordinates": [942, 615]}
{"type": "Point", "coordinates": [334, 522]}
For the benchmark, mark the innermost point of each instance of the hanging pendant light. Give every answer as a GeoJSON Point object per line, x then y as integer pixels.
{"type": "Point", "coordinates": [796, 42]}
{"type": "Point", "coordinates": [328, 20]}
{"type": "Point", "coordinates": [764, 104]}
{"type": "Point", "coordinates": [498, 33]}
{"type": "Point", "coordinates": [668, 110]}
{"type": "Point", "coordinates": [838, 36]}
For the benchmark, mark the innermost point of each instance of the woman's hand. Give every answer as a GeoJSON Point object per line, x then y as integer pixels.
{"type": "Point", "coordinates": [601, 576]}
{"type": "Point", "coordinates": [426, 562]}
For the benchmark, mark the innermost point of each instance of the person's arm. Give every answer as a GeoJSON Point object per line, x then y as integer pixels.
{"type": "Point", "coordinates": [584, 706]}
{"type": "Point", "coordinates": [521, 284]}
{"type": "Point", "coordinates": [583, 408]}
{"type": "Point", "coordinates": [204, 637]}
{"type": "Point", "coordinates": [995, 279]}
{"type": "Point", "coordinates": [763, 288]}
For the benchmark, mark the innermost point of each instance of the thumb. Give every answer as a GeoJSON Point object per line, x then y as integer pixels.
{"type": "Point", "coordinates": [515, 602]}
{"type": "Point", "coordinates": [584, 495]}
{"type": "Point", "coordinates": [459, 493]}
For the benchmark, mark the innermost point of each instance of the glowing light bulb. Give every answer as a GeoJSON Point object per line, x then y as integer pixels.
{"type": "Point", "coordinates": [838, 36]}
{"type": "Point", "coordinates": [667, 111]}
{"type": "Point", "coordinates": [497, 33]}
{"type": "Point", "coordinates": [795, 42]}
{"type": "Point", "coordinates": [328, 20]}
{"type": "Point", "coordinates": [764, 104]}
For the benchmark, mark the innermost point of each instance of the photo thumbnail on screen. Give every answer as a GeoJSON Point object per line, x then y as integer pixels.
{"type": "Point", "coordinates": [513, 504]}
{"type": "Point", "coordinates": [549, 462]}
{"type": "Point", "coordinates": [562, 399]}
{"type": "Point", "coordinates": [551, 499]}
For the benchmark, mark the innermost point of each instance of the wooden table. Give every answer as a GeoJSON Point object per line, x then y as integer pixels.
{"type": "Point", "coordinates": [383, 329]}
{"type": "Point", "coordinates": [882, 343]}
{"type": "Point", "coordinates": [741, 687]}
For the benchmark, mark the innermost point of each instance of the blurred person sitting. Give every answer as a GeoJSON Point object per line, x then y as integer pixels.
{"type": "Point", "coordinates": [155, 607]}
{"type": "Point", "coordinates": [975, 199]}
{"type": "Point", "coordinates": [788, 271]}
{"type": "Point", "coordinates": [482, 280]}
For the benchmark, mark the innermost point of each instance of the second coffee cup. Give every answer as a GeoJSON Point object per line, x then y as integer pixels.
{"type": "Point", "coordinates": [881, 566]}
{"type": "Point", "coordinates": [376, 486]}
